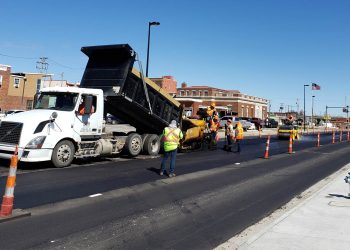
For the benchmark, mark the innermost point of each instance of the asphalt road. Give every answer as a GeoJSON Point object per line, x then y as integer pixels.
{"type": "Point", "coordinates": [215, 196]}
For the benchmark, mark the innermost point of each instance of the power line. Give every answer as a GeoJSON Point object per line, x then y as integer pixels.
{"type": "Point", "coordinates": [64, 66]}
{"type": "Point", "coordinates": [18, 57]}
{"type": "Point", "coordinates": [33, 58]}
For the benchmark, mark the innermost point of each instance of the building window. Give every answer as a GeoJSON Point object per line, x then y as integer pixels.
{"type": "Point", "coordinates": [16, 83]}
{"type": "Point", "coordinates": [193, 93]}
{"type": "Point", "coordinates": [0, 81]}
{"type": "Point", "coordinates": [182, 93]}
{"type": "Point", "coordinates": [187, 93]}
{"type": "Point", "coordinates": [199, 93]}
{"type": "Point", "coordinates": [206, 93]}
{"type": "Point", "coordinates": [38, 85]}
{"type": "Point", "coordinates": [29, 104]}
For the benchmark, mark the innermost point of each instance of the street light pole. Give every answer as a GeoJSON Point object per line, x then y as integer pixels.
{"type": "Point", "coordinates": [312, 111]}
{"type": "Point", "coordinates": [149, 39]}
{"type": "Point", "coordinates": [305, 85]}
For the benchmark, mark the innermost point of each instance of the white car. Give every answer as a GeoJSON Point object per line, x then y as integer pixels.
{"type": "Point", "coordinates": [245, 124]}
{"type": "Point", "coordinates": [251, 126]}
{"type": "Point", "coordinates": [223, 120]}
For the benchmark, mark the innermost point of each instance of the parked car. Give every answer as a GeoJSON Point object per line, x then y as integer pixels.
{"type": "Point", "coordinates": [284, 132]}
{"type": "Point", "coordinates": [223, 120]}
{"type": "Point", "coordinates": [271, 123]}
{"type": "Point", "coordinates": [259, 123]}
{"type": "Point", "coordinates": [111, 119]}
{"type": "Point", "coordinates": [246, 124]}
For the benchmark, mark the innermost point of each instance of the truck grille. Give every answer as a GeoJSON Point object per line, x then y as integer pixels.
{"type": "Point", "coordinates": [10, 132]}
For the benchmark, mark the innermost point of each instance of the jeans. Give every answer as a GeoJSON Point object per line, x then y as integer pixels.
{"type": "Point", "coordinates": [238, 142]}
{"type": "Point", "coordinates": [213, 138]}
{"type": "Point", "coordinates": [172, 155]}
{"type": "Point", "coordinates": [229, 142]}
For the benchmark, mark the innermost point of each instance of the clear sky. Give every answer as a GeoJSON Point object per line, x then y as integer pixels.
{"type": "Point", "coordinates": [265, 48]}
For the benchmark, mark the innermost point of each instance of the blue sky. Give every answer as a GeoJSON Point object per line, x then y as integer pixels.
{"type": "Point", "coordinates": [265, 48]}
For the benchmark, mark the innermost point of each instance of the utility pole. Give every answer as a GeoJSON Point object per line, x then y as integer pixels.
{"type": "Point", "coordinates": [298, 105]}
{"type": "Point", "coordinates": [42, 65]}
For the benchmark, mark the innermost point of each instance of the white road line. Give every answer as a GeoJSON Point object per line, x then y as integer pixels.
{"type": "Point", "coordinates": [94, 195]}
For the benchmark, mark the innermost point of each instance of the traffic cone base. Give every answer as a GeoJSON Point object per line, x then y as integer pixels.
{"type": "Point", "coordinates": [6, 206]}
{"type": "Point", "coordinates": [7, 201]}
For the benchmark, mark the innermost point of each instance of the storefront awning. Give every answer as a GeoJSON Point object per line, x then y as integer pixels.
{"type": "Point", "coordinates": [179, 99]}
{"type": "Point", "coordinates": [217, 107]}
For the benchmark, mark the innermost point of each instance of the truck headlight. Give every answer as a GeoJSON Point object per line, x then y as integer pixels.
{"type": "Point", "coordinates": [37, 142]}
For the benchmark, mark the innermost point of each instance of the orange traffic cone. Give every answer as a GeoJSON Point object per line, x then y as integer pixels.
{"type": "Point", "coordinates": [7, 199]}
{"type": "Point", "coordinates": [290, 146]}
{"type": "Point", "coordinates": [333, 136]}
{"type": "Point", "coordinates": [266, 156]}
{"type": "Point", "coordinates": [318, 139]}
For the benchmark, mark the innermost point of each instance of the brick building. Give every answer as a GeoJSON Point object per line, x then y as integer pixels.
{"type": "Point", "coordinates": [17, 90]}
{"type": "Point", "coordinates": [168, 83]}
{"type": "Point", "coordinates": [226, 101]}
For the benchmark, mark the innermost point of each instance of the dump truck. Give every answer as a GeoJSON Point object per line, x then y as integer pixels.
{"type": "Point", "coordinates": [68, 122]}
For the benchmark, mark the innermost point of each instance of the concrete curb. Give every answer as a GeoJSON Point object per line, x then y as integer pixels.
{"type": "Point", "coordinates": [16, 214]}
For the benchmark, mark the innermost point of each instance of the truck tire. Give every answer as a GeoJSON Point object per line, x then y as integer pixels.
{"type": "Point", "coordinates": [133, 144]}
{"type": "Point", "coordinates": [63, 154]}
{"type": "Point", "coordinates": [151, 145]}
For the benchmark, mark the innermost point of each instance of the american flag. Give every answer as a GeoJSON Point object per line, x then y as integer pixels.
{"type": "Point", "coordinates": [315, 86]}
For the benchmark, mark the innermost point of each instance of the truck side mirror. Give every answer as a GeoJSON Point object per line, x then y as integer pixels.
{"type": "Point", "coordinates": [88, 104]}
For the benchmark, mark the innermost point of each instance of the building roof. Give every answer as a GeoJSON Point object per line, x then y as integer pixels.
{"type": "Point", "coordinates": [208, 87]}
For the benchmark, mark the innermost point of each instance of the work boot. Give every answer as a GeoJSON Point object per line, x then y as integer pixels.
{"type": "Point", "coordinates": [161, 173]}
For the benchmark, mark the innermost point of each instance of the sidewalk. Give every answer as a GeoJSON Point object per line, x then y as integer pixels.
{"type": "Point", "coordinates": [317, 219]}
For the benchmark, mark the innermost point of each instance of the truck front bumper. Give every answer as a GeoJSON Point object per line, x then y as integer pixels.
{"type": "Point", "coordinates": [26, 155]}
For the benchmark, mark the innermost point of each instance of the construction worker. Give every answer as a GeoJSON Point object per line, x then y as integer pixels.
{"type": "Point", "coordinates": [214, 125]}
{"type": "Point", "coordinates": [239, 136]}
{"type": "Point", "coordinates": [171, 137]}
{"type": "Point", "coordinates": [81, 108]}
{"type": "Point", "coordinates": [230, 134]}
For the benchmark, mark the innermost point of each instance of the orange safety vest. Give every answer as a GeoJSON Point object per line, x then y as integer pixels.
{"type": "Point", "coordinates": [214, 126]}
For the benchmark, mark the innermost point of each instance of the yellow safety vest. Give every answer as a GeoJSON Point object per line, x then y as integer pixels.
{"type": "Point", "coordinates": [171, 138]}
{"type": "Point", "coordinates": [239, 131]}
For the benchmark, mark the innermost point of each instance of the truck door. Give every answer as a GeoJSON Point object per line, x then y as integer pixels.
{"type": "Point", "coordinates": [86, 119]}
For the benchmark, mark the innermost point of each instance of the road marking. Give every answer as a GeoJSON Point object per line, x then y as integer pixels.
{"type": "Point", "coordinates": [94, 195]}
{"type": "Point", "coordinates": [237, 163]}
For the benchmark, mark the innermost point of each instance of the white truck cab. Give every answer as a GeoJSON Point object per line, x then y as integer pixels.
{"type": "Point", "coordinates": [56, 127]}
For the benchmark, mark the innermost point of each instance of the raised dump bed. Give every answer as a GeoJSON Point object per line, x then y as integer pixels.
{"type": "Point", "coordinates": [128, 95]}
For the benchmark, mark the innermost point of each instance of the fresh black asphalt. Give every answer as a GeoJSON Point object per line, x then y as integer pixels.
{"type": "Point", "coordinates": [198, 212]}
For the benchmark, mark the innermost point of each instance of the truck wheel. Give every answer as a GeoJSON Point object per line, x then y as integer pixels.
{"type": "Point", "coordinates": [151, 145]}
{"type": "Point", "coordinates": [63, 154]}
{"type": "Point", "coordinates": [133, 144]}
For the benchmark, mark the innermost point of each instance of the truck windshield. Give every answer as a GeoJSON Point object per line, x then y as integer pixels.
{"type": "Point", "coordinates": [57, 101]}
